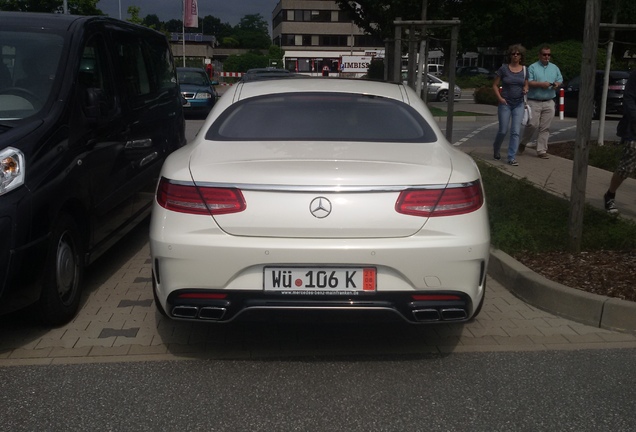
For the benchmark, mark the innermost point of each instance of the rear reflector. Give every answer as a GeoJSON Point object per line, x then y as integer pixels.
{"type": "Point", "coordinates": [199, 200]}
{"type": "Point", "coordinates": [203, 296]}
{"type": "Point", "coordinates": [435, 297]}
{"type": "Point", "coordinates": [450, 201]}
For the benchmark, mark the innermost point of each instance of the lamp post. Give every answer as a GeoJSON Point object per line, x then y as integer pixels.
{"type": "Point", "coordinates": [119, 10]}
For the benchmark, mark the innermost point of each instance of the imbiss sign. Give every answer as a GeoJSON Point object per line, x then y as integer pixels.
{"type": "Point", "coordinates": [357, 64]}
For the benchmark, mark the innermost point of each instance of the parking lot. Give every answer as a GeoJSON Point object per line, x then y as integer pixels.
{"type": "Point", "coordinates": [118, 322]}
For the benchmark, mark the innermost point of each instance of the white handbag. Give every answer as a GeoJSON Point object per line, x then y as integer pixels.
{"type": "Point", "coordinates": [527, 111]}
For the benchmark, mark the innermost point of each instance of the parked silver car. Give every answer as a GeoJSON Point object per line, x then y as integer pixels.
{"type": "Point", "coordinates": [437, 88]}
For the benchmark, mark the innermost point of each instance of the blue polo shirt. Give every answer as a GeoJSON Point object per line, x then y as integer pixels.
{"type": "Point", "coordinates": [538, 72]}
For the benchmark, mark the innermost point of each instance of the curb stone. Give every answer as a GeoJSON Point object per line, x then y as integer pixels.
{"type": "Point", "coordinates": [571, 303]}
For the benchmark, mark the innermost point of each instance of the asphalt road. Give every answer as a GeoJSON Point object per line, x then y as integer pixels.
{"type": "Point", "coordinates": [514, 391]}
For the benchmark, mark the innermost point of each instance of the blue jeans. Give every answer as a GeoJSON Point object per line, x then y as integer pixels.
{"type": "Point", "coordinates": [509, 115]}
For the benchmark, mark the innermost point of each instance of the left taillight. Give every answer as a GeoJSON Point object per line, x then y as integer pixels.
{"type": "Point", "coordinates": [452, 200]}
{"type": "Point", "coordinates": [188, 198]}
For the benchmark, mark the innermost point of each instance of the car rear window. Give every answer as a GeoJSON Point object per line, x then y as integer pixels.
{"type": "Point", "coordinates": [321, 117]}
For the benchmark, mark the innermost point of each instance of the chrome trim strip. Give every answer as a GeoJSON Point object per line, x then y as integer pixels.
{"type": "Point", "coordinates": [146, 160]}
{"type": "Point", "coordinates": [140, 143]}
{"type": "Point", "coordinates": [320, 189]}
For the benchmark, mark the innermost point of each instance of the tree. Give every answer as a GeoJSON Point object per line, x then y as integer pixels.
{"type": "Point", "coordinates": [488, 23]}
{"type": "Point", "coordinates": [133, 11]}
{"type": "Point", "coordinates": [211, 25]}
{"type": "Point", "coordinates": [153, 22]}
{"type": "Point", "coordinates": [76, 7]}
{"type": "Point", "coordinates": [252, 32]}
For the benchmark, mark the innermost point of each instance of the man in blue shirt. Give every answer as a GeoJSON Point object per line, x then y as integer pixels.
{"type": "Point", "coordinates": [626, 129]}
{"type": "Point", "coordinates": [544, 78]}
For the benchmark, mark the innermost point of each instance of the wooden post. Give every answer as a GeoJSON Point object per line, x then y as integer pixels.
{"type": "Point", "coordinates": [584, 124]}
{"type": "Point", "coordinates": [397, 55]}
{"type": "Point", "coordinates": [451, 82]}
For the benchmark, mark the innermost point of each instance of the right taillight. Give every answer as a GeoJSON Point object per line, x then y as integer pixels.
{"type": "Point", "coordinates": [452, 200]}
{"type": "Point", "coordinates": [188, 198]}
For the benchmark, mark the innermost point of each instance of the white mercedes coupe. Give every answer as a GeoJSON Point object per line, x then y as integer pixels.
{"type": "Point", "coordinates": [319, 194]}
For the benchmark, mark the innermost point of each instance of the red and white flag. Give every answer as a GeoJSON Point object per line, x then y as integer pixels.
{"type": "Point", "coordinates": [191, 13]}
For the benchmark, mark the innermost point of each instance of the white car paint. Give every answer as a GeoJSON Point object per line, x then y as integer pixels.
{"type": "Point", "coordinates": [195, 255]}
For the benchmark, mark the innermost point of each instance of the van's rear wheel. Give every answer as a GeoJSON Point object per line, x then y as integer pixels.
{"type": "Point", "coordinates": [63, 273]}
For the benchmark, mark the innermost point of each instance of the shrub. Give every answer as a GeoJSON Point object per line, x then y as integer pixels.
{"type": "Point", "coordinates": [485, 95]}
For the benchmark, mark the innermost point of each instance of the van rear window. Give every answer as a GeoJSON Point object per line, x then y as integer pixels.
{"type": "Point", "coordinates": [317, 116]}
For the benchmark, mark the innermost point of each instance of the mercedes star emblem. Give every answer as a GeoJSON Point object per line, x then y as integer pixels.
{"type": "Point", "coordinates": [320, 207]}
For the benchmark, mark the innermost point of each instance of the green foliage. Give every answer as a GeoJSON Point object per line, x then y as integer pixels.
{"type": "Point", "coordinates": [496, 23]}
{"type": "Point", "coordinates": [526, 218]}
{"type": "Point", "coordinates": [133, 11]}
{"type": "Point", "coordinates": [471, 81]}
{"type": "Point", "coordinates": [276, 54]}
{"type": "Point", "coordinates": [252, 32]}
{"type": "Point", "coordinates": [485, 95]}
{"type": "Point", "coordinates": [567, 56]}
{"type": "Point", "coordinates": [75, 7]}
{"type": "Point", "coordinates": [230, 42]}
{"type": "Point", "coordinates": [241, 63]}
{"type": "Point", "coordinates": [376, 70]}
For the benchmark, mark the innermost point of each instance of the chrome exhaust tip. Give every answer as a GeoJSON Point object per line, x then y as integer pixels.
{"type": "Point", "coordinates": [212, 313]}
{"type": "Point", "coordinates": [426, 315]}
{"type": "Point", "coordinates": [453, 314]}
{"type": "Point", "coordinates": [185, 311]}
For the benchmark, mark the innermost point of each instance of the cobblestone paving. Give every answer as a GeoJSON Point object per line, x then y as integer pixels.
{"type": "Point", "coordinates": [118, 322]}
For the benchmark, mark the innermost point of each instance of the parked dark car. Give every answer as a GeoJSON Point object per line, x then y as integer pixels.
{"type": "Point", "coordinates": [259, 74]}
{"type": "Point", "coordinates": [617, 81]}
{"type": "Point", "coordinates": [197, 90]}
{"type": "Point", "coordinates": [467, 71]}
{"type": "Point", "coordinates": [89, 110]}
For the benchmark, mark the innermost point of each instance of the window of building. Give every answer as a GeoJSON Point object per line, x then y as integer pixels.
{"type": "Point", "coordinates": [334, 40]}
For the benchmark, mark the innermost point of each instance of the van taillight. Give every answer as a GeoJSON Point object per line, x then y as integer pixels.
{"type": "Point", "coordinates": [448, 201]}
{"type": "Point", "coordinates": [188, 198]}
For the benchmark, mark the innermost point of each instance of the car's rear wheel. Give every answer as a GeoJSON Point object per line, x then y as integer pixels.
{"type": "Point", "coordinates": [63, 273]}
{"type": "Point", "coordinates": [442, 96]}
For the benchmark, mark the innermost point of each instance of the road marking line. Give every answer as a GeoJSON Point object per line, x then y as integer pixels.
{"type": "Point", "coordinates": [473, 133]}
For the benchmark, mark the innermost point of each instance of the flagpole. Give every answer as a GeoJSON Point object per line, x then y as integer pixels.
{"type": "Point", "coordinates": [183, 31]}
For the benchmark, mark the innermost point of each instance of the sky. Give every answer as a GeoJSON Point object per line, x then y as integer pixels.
{"type": "Point", "coordinates": [228, 11]}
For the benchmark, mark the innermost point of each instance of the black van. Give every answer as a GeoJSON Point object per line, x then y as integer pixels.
{"type": "Point", "coordinates": [89, 109]}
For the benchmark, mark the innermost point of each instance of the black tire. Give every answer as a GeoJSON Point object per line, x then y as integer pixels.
{"type": "Point", "coordinates": [63, 273]}
{"type": "Point", "coordinates": [442, 96]}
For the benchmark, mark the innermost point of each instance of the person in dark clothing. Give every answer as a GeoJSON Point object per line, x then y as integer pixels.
{"type": "Point", "coordinates": [626, 129]}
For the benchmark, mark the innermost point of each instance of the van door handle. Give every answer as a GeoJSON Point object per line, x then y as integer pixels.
{"type": "Point", "coordinates": [146, 160]}
{"type": "Point", "coordinates": [137, 144]}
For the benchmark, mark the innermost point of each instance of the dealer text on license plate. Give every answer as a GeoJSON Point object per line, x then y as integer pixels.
{"type": "Point", "coordinates": [303, 280]}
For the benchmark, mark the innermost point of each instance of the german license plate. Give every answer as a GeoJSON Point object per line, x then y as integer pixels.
{"type": "Point", "coordinates": [319, 280]}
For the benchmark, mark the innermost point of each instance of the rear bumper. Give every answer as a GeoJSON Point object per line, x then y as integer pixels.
{"type": "Point", "coordinates": [442, 306]}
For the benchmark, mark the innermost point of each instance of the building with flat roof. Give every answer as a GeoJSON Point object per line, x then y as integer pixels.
{"type": "Point", "coordinates": [315, 34]}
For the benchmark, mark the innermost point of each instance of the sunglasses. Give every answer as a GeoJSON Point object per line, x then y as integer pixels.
{"type": "Point", "coordinates": [546, 54]}
{"type": "Point", "coordinates": [515, 54]}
